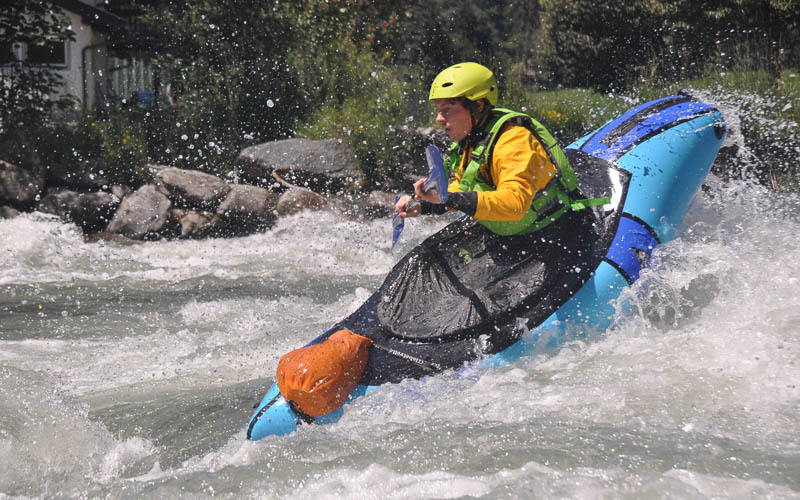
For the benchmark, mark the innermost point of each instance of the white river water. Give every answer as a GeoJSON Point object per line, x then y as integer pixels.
{"type": "Point", "coordinates": [130, 371]}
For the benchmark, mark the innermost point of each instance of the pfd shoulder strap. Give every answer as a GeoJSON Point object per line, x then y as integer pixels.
{"type": "Point", "coordinates": [564, 173]}
{"type": "Point", "coordinates": [483, 151]}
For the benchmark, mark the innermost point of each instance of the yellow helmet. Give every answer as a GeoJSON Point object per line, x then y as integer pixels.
{"type": "Point", "coordinates": [469, 79]}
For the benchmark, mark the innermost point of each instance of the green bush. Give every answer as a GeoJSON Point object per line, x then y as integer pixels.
{"type": "Point", "coordinates": [187, 136]}
{"type": "Point", "coordinates": [371, 119]}
{"type": "Point", "coordinates": [620, 45]}
{"type": "Point", "coordinates": [568, 114]}
{"type": "Point", "coordinates": [111, 147]}
{"type": "Point", "coordinates": [27, 90]}
{"type": "Point", "coordinates": [121, 152]}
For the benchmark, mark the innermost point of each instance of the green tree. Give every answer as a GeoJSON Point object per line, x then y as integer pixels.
{"type": "Point", "coordinates": [607, 45]}
{"type": "Point", "coordinates": [227, 65]}
{"type": "Point", "coordinates": [763, 31]}
{"type": "Point", "coordinates": [248, 72]}
{"type": "Point", "coordinates": [26, 88]}
{"type": "Point", "coordinates": [597, 44]}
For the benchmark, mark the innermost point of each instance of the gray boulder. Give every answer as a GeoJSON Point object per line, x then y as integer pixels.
{"type": "Point", "coordinates": [143, 214]}
{"type": "Point", "coordinates": [88, 179]}
{"type": "Point", "coordinates": [91, 211]}
{"type": "Point", "coordinates": [191, 188]}
{"type": "Point", "coordinates": [153, 169]}
{"type": "Point", "coordinates": [8, 212]}
{"type": "Point", "coordinates": [247, 209]}
{"type": "Point", "coordinates": [375, 205]}
{"type": "Point", "coordinates": [196, 224]}
{"type": "Point", "coordinates": [325, 166]}
{"type": "Point", "coordinates": [19, 186]}
{"type": "Point", "coordinates": [120, 191]}
{"type": "Point", "coordinates": [295, 200]}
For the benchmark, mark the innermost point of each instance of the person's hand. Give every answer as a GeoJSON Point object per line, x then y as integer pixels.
{"type": "Point", "coordinates": [404, 210]}
{"type": "Point", "coordinates": [430, 196]}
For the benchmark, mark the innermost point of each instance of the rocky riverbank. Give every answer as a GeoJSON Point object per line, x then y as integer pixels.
{"type": "Point", "coordinates": [269, 181]}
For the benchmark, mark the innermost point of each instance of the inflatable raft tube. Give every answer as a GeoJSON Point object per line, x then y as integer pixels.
{"type": "Point", "coordinates": [466, 295]}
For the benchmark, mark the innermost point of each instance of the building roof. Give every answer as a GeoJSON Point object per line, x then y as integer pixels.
{"type": "Point", "coordinates": [123, 34]}
{"type": "Point", "coordinates": [93, 16]}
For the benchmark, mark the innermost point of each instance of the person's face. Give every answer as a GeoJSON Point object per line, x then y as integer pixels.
{"type": "Point", "coordinates": [454, 118]}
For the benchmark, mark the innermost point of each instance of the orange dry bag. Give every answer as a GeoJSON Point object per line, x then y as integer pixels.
{"type": "Point", "coordinates": [317, 378]}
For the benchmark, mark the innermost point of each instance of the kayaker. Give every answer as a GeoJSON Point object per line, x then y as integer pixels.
{"type": "Point", "coordinates": [500, 160]}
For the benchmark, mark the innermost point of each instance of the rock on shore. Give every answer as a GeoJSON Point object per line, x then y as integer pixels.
{"type": "Point", "coordinates": [279, 179]}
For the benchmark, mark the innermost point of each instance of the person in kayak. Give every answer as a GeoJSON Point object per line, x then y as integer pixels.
{"type": "Point", "coordinates": [527, 246]}
{"type": "Point", "coordinates": [504, 164]}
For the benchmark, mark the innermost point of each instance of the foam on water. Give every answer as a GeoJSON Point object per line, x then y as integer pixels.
{"type": "Point", "coordinates": [221, 341]}
{"type": "Point", "coordinates": [36, 248]}
{"type": "Point", "coordinates": [49, 446]}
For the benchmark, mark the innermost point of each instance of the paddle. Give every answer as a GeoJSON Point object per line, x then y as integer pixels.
{"type": "Point", "coordinates": [437, 179]}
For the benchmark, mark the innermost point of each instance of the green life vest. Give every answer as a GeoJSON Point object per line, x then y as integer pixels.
{"type": "Point", "coordinates": [556, 197]}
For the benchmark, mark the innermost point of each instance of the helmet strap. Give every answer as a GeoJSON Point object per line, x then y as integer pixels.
{"type": "Point", "coordinates": [478, 117]}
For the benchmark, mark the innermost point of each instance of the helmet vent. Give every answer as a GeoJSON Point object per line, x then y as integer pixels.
{"type": "Point", "coordinates": [448, 84]}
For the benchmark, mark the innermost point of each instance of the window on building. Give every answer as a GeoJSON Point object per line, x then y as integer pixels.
{"type": "Point", "coordinates": [7, 53]}
{"type": "Point", "coordinates": [50, 53]}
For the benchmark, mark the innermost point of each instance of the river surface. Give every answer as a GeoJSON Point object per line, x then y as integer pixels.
{"type": "Point", "coordinates": [131, 370]}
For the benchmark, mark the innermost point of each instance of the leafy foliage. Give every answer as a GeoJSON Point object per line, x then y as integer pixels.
{"type": "Point", "coordinates": [368, 121]}
{"type": "Point", "coordinates": [615, 45]}
{"type": "Point", "coordinates": [26, 90]}
{"type": "Point", "coordinates": [227, 62]}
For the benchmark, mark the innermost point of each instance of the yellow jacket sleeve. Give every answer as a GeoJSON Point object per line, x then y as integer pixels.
{"type": "Point", "coordinates": [520, 168]}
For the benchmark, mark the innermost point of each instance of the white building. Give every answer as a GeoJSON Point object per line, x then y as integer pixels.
{"type": "Point", "coordinates": [103, 63]}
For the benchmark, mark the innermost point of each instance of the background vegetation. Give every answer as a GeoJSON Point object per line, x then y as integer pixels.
{"type": "Point", "coordinates": [247, 72]}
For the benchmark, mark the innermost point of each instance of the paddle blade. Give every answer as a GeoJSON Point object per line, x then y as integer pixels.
{"type": "Point", "coordinates": [397, 225]}
{"type": "Point", "coordinates": [437, 178]}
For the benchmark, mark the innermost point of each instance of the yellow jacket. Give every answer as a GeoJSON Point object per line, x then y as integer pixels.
{"type": "Point", "coordinates": [520, 168]}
